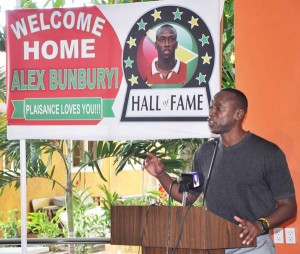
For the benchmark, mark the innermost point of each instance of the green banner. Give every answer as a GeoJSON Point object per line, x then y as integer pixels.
{"type": "Point", "coordinates": [63, 108]}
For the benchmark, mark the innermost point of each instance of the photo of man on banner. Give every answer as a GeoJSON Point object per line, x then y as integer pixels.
{"type": "Point", "coordinates": [166, 68]}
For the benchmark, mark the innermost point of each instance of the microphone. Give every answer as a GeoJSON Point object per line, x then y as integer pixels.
{"type": "Point", "coordinates": [188, 181]}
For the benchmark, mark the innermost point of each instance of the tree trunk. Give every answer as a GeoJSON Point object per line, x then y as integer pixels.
{"type": "Point", "coordinates": [69, 197]}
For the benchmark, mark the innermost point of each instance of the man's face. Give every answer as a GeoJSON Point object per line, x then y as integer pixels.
{"type": "Point", "coordinates": [166, 43]}
{"type": "Point", "coordinates": [223, 113]}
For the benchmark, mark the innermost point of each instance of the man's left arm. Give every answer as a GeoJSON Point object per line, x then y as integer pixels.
{"type": "Point", "coordinates": [286, 209]}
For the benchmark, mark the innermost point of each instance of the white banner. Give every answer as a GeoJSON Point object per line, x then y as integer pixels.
{"type": "Point", "coordinates": [114, 72]}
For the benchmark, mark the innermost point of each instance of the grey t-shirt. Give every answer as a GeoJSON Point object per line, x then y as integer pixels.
{"type": "Point", "coordinates": [246, 179]}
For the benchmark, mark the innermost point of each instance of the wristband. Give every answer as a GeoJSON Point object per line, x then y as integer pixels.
{"type": "Point", "coordinates": [265, 224]}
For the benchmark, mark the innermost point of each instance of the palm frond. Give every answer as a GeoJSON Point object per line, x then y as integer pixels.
{"type": "Point", "coordinates": [2, 85]}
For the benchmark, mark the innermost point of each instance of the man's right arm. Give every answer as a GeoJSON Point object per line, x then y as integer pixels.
{"type": "Point", "coordinates": [156, 168]}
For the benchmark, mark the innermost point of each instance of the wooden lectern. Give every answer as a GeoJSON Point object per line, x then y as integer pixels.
{"type": "Point", "coordinates": [156, 228]}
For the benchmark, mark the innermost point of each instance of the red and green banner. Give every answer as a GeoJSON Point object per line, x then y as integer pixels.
{"type": "Point", "coordinates": [84, 73]}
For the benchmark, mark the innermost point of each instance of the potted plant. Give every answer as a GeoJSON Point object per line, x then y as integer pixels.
{"type": "Point", "coordinates": [10, 226]}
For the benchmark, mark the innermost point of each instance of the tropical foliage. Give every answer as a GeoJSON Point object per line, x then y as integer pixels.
{"type": "Point", "coordinates": [228, 61]}
{"type": "Point", "coordinates": [9, 227]}
{"type": "Point", "coordinates": [40, 224]}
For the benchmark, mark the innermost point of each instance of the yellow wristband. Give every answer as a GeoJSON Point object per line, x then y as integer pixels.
{"type": "Point", "coordinates": [264, 219]}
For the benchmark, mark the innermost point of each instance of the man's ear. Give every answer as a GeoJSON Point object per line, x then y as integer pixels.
{"type": "Point", "coordinates": [240, 114]}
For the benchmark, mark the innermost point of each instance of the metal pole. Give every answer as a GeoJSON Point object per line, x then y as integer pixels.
{"type": "Point", "coordinates": [18, 4]}
{"type": "Point", "coordinates": [23, 196]}
{"type": "Point", "coordinates": [62, 241]}
{"type": "Point", "coordinates": [23, 184]}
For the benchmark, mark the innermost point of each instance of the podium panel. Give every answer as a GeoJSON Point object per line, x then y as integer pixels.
{"type": "Point", "coordinates": [189, 229]}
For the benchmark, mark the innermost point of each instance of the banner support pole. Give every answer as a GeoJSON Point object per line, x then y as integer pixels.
{"type": "Point", "coordinates": [23, 196]}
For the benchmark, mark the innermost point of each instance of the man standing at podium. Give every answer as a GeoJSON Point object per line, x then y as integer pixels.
{"type": "Point", "coordinates": [249, 183]}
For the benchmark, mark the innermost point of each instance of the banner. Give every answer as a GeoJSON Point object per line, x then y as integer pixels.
{"type": "Point", "coordinates": [114, 72]}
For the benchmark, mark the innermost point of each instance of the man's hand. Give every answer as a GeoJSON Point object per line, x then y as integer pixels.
{"type": "Point", "coordinates": [153, 165]}
{"type": "Point", "coordinates": [250, 230]}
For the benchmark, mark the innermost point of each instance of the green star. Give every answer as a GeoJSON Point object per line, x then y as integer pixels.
{"type": "Point", "coordinates": [204, 40]}
{"type": "Point", "coordinates": [177, 14]}
{"type": "Point", "coordinates": [128, 62]}
{"type": "Point", "coordinates": [201, 78]}
{"type": "Point", "coordinates": [142, 25]}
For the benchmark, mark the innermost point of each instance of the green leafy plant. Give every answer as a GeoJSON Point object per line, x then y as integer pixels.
{"type": "Point", "coordinates": [2, 83]}
{"type": "Point", "coordinates": [87, 224]}
{"type": "Point", "coordinates": [153, 197]}
{"type": "Point", "coordinates": [39, 223]}
{"type": "Point", "coordinates": [228, 56]}
{"type": "Point", "coordinates": [168, 150]}
{"type": "Point", "coordinates": [109, 200]}
{"type": "Point", "coordinates": [10, 225]}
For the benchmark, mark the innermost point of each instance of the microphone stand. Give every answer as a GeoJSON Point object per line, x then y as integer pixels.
{"type": "Point", "coordinates": [184, 189]}
{"type": "Point", "coordinates": [184, 196]}
{"type": "Point", "coordinates": [210, 169]}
